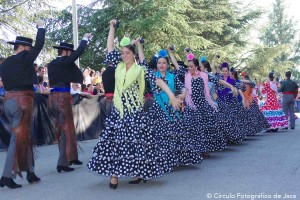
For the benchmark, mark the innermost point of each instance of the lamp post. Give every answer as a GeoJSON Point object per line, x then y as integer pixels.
{"type": "Point", "coordinates": [75, 27]}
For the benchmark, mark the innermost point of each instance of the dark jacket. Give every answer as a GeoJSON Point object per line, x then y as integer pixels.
{"type": "Point", "coordinates": [64, 70]}
{"type": "Point", "coordinates": [17, 71]}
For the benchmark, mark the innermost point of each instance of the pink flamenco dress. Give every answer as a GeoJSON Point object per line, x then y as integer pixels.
{"type": "Point", "coordinates": [271, 109]}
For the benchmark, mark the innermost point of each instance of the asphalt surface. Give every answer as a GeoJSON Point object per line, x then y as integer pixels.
{"type": "Point", "coordinates": [266, 165]}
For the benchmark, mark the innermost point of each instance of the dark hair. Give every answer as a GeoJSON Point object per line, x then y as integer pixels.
{"type": "Point", "coordinates": [195, 61]}
{"type": "Point", "coordinates": [83, 87]}
{"type": "Point", "coordinates": [247, 77]}
{"type": "Point", "coordinates": [16, 46]}
{"type": "Point", "coordinates": [235, 75]}
{"type": "Point", "coordinates": [167, 59]}
{"type": "Point", "coordinates": [131, 48]}
{"type": "Point", "coordinates": [271, 76]}
{"type": "Point", "coordinates": [153, 62]}
{"type": "Point", "coordinates": [40, 79]}
{"type": "Point", "coordinates": [59, 51]}
{"type": "Point", "coordinates": [40, 68]}
{"type": "Point", "coordinates": [206, 65]}
{"type": "Point", "coordinates": [92, 72]}
{"type": "Point", "coordinates": [288, 74]}
{"type": "Point", "coordinates": [88, 85]}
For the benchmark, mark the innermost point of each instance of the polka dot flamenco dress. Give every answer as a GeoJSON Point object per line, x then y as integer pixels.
{"type": "Point", "coordinates": [127, 146]}
{"type": "Point", "coordinates": [203, 121]}
{"type": "Point", "coordinates": [230, 108]}
{"type": "Point", "coordinates": [171, 132]}
{"type": "Point", "coordinates": [256, 117]}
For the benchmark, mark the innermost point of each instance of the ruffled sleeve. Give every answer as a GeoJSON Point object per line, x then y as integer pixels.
{"type": "Point", "coordinates": [113, 58]}
{"type": "Point", "coordinates": [150, 76]}
{"type": "Point", "coordinates": [212, 78]}
{"type": "Point", "coordinates": [252, 84]}
{"type": "Point", "coordinates": [240, 86]}
{"type": "Point", "coordinates": [181, 71]}
{"type": "Point", "coordinates": [178, 84]}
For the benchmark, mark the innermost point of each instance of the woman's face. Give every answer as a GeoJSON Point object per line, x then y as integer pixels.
{"type": "Point", "coordinates": [202, 68]}
{"type": "Point", "coordinates": [162, 64]}
{"type": "Point", "coordinates": [127, 55]}
{"type": "Point", "coordinates": [85, 72]}
{"type": "Point", "coordinates": [90, 88]}
{"type": "Point", "coordinates": [225, 72]}
{"type": "Point", "coordinates": [231, 75]}
{"type": "Point", "coordinates": [192, 67]}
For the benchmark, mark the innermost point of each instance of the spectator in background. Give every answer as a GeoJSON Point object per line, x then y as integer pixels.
{"type": "Point", "coordinates": [92, 74]}
{"type": "Point", "coordinates": [86, 76]}
{"type": "Point", "coordinates": [36, 68]}
{"type": "Point", "coordinates": [98, 90]}
{"type": "Point", "coordinates": [41, 88]}
{"type": "Point", "coordinates": [89, 89]}
{"type": "Point", "coordinates": [102, 70]}
{"type": "Point", "coordinates": [46, 79]}
{"type": "Point", "coordinates": [41, 71]}
{"type": "Point", "coordinates": [76, 88]}
{"type": "Point", "coordinates": [83, 87]}
{"type": "Point", "coordinates": [97, 78]}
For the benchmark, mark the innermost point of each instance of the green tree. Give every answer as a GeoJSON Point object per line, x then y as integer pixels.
{"type": "Point", "coordinates": [16, 19]}
{"type": "Point", "coordinates": [222, 23]}
{"type": "Point", "coordinates": [281, 31]}
{"type": "Point", "coordinates": [205, 26]}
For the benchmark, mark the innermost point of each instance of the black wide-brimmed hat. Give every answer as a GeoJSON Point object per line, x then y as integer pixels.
{"type": "Point", "coordinates": [65, 46]}
{"type": "Point", "coordinates": [22, 41]}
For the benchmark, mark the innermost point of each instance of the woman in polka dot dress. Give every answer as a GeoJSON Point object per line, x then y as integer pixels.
{"type": "Point", "coordinates": [271, 109]}
{"type": "Point", "coordinates": [230, 106]}
{"type": "Point", "coordinates": [244, 106]}
{"type": "Point", "coordinates": [200, 113]}
{"type": "Point", "coordinates": [257, 120]}
{"type": "Point", "coordinates": [170, 128]}
{"type": "Point", "coordinates": [127, 145]}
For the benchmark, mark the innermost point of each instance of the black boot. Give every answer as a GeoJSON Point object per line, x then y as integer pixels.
{"type": "Point", "coordinates": [9, 182]}
{"type": "Point", "coordinates": [137, 181]}
{"type": "Point", "coordinates": [32, 178]}
{"type": "Point", "coordinates": [64, 168]}
{"type": "Point", "coordinates": [75, 162]}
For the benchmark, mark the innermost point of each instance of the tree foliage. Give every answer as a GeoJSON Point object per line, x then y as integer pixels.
{"type": "Point", "coordinates": [207, 27]}
{"type": "Point", "coordinates": [280, 51]}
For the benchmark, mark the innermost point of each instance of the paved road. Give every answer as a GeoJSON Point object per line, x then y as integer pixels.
{"type": "Point", "coordinates": [266, 164]}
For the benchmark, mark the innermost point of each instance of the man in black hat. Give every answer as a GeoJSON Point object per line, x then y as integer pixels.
{"type": "Point", "coordinates": [289, 89]}
{"type": "Point", "coordinates": [62, 71]}
{"type": "Point", "coordinates": [18, 76]}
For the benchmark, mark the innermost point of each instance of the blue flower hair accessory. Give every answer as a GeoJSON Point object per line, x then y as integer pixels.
{"type": "Point", "coordinates": [231, 69]}
{"type": "Point", "coordinates": [203, 59]}
{"type": "Point", "coordinates": [162, 53]}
